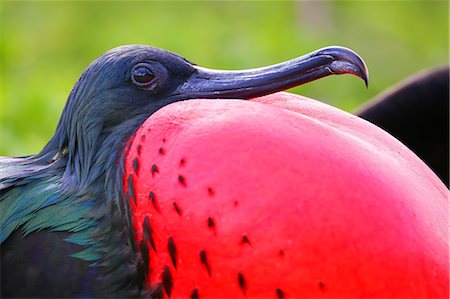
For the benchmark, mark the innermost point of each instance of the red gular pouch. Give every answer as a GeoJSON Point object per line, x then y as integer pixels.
{"type": "Point", "coordinates": [282, 197]}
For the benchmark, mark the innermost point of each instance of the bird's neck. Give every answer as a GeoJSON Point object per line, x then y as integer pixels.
{"type": "Point", "coordinates": [92, 156]}
{"type": "Point", "coordinates": [79, 172]}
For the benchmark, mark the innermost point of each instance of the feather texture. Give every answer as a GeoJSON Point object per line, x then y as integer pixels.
{"type": "Point", "coordinates": [31, 199]}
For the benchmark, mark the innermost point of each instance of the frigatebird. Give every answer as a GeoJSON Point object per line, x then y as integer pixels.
{"type": "Point", "coordinates": [64, 229]}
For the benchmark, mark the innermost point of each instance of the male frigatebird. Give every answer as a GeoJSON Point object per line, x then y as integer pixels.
{"type": "Point", "coordinates": [64, 224]}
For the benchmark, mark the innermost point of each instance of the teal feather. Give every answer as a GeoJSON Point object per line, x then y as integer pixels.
{"type": "Point", "coordinates": [89, 255]}
{"type": "Point", "coordinates": [36, 203]}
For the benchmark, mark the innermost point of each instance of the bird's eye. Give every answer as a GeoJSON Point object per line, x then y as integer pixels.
{"type": "Point", "coordinates": [141, 74]}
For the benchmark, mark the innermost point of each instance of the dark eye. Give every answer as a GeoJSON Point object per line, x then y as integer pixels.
{"type": "Point", "coordinates": [141, 74]}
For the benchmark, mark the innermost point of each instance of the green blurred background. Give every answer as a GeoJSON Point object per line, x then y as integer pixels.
{"type": "Point", "coordinates": [44, 47]}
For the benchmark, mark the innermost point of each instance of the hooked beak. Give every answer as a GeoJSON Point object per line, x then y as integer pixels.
{"type": "Point", "coordinates": [215, 84]}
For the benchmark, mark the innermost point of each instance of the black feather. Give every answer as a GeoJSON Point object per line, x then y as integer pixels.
{"type": "Point", "coordinates": [148, 232]}
{"type": "Point", "coordinates": [172, 251]}
{"type": "Point", "coordinates": [167, 281]}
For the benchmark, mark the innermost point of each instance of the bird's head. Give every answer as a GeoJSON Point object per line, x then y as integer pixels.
{"type": "Point", "coordinates": [123, 87]}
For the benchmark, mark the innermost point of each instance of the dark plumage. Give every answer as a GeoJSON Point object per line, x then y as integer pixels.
{"type": "Point", "coordinates": [417, 113]}
{"type": "Point", "coordinates": [30, 276]}
{"type": "Point", "coordinates": [67, 200]}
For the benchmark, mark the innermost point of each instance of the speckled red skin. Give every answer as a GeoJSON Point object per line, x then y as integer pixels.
{"type": "Point", "coordinates": [288, 197]}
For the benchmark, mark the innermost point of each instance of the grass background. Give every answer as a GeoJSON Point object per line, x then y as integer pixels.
{"type": "Point", "coordinates": [44, 46]}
